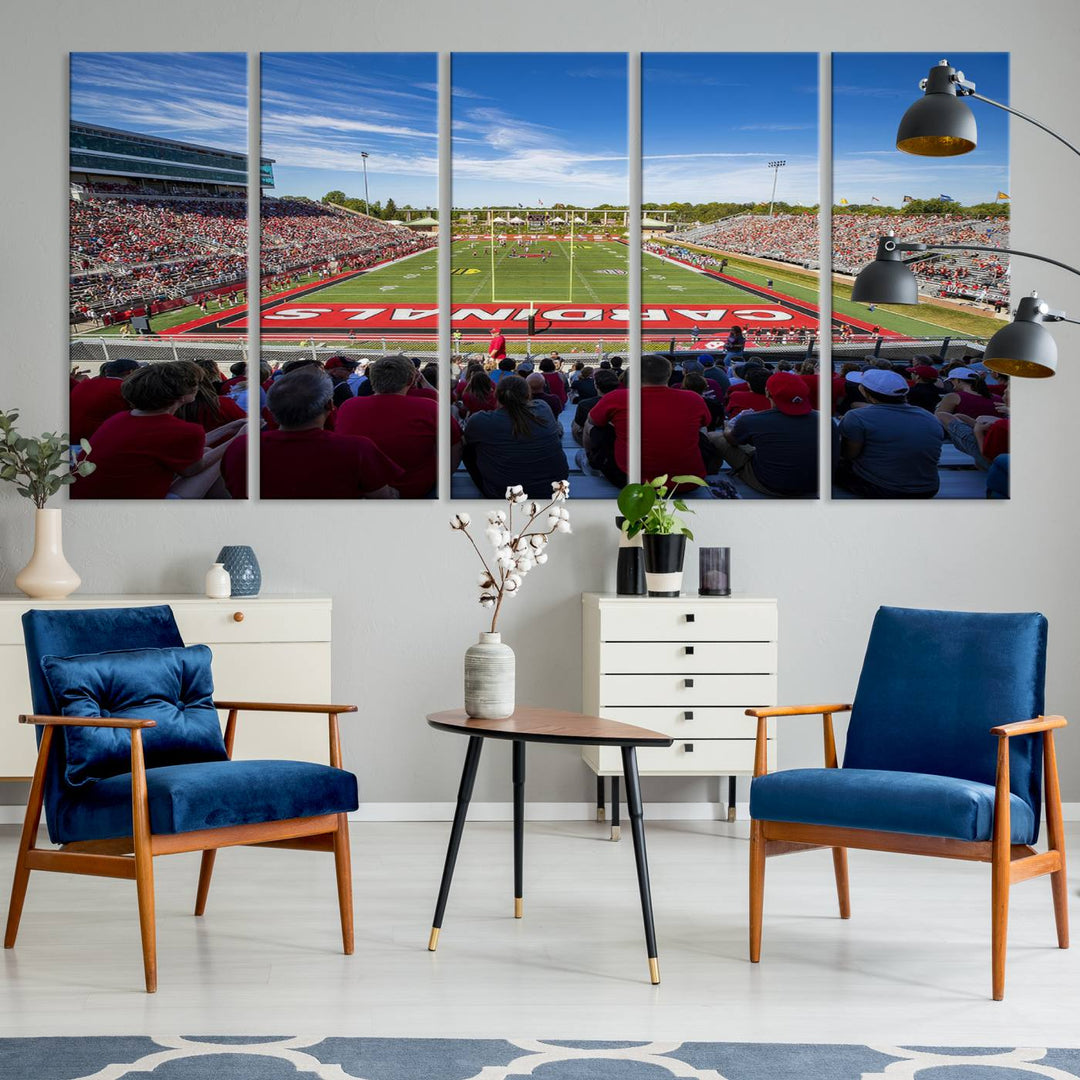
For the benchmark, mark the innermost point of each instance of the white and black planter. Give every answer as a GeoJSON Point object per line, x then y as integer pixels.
{"type": "Point", "coordinates": [664, 555]}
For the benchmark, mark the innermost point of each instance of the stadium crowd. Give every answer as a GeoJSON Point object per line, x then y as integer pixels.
{"type": "Point", "coordinates": [329, 430]}
{"type": "Point", "coordinates": [126, 253]}
{"type": "Point", "coordinates": [793, 238]}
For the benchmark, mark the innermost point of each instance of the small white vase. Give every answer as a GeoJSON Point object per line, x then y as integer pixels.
{"type": "Point", "coordinates": [48, 575]}
{"type": "Point", "coordinates": [489, 679]}
{"type": "Point", "coordinates": [218, 582]}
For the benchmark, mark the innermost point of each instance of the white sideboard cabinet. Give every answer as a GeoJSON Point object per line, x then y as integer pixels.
{"type": "Point", "coordinates": [687, 666]}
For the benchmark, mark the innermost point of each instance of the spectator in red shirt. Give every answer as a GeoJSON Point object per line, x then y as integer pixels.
{"type": "Point", "coordinates": [93, 401]}
{"type": "Point", "coordinates": [478, 394]}
{"type": "Point", "coordinates": [753, 396]}
{"type": "Point", "coordinates": [208, 410]}
{"type": "Point", "coordinates": [404, 427]}
{"type": "Point", "coordinates": [149, 453]}
{"type": "Point", "coordinates": [302, 460]}
{"type": "Point", "coordinates": [497, 346]}
{"type": "Point", "coordinates": [538, 391]}
{"type": "Point", "coordinates": [555, 381]}
{"type": "Point", "coordinates": [984, 437]}
{"type": "Point", "coordinates": [671, 424]}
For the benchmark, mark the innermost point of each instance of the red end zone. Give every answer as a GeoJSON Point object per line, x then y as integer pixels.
{"type": "Point", "coordinates": [299, 317]}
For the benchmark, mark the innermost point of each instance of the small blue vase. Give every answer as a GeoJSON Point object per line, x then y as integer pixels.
{"type": "Point", "coordinates": [243, 568]}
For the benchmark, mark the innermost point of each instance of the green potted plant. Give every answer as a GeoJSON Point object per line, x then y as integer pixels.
{"type": "Point", "coordinates": [652, 510]}
{"type": "Point", "coordinates": [39, 467]}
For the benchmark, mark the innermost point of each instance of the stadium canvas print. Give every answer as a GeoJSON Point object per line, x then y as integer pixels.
{"type": "Point", "coordinates": [349, 318]}
{"type": "Point", "coordinates": [916, 413]}
{"type": "Point", "coordinates": [158, 273]}
{"type": "Point", "coordinates": [729, 275]}
{"type": "Point", "coordinates": [539, 267]}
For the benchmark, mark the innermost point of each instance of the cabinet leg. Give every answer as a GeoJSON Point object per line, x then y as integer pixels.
{"type": "Point", "coordinates": [731, 798]}
{"type": "Point", "coordinates": [616, 831]}
{"type": "Point", "coordinates": [600, 799]}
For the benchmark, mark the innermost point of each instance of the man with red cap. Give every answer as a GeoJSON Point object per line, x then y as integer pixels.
{"type": "Point", "coordinates": [496, 346]}
{"type": "Point", "coordinates": [776, 451]}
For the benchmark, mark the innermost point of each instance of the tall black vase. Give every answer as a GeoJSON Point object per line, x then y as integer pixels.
{"type": "Point", "coordinates": [630, 570]}
{"type": "Point", "coordinates": [664, 555]}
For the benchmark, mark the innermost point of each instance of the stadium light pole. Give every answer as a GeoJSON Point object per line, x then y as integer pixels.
{"type": "Point", "coordinates": [367, 203]}
{"type": "Point", "coordinates": [939, 124]}
{"type": "Point", "coordinates": [776, 166]}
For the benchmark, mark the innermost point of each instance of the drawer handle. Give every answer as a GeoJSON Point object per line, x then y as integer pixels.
{"type": "Point", "coordinates": [688, 715]}
{"type": "Point", "coordinates": [238, 616]}
{"type": "Point", "coordinates": [688, 684]}
{"type": "Point", "coordinates": [689, 650]}
{"type": "Point", "coordinates": [688, 747]}
{"type": "Point", "coordinates": [689, 616]}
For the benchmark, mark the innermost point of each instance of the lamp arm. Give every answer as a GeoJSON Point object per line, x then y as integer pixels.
{"type": "Point", "coordinates": [984, 247]}
{"type": "Point", "coordinates": [1024, 116]}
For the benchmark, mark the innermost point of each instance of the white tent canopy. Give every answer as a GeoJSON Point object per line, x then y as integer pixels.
{"type": "Point", "coordinates": [499, 220]}
{"type": "Point", "coordinates": [579, 221]}
{"type": "Point", "coordinates": [515, 221]}
{"type": "Point", "coordinates": [558, 221]}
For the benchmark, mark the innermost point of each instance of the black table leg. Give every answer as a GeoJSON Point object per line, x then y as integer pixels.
{"type": "Point", "coordinates": [519, 825]}
{"type": "Point", "coordinates": [468, 778]}
{"type": "Point", "coordinates": [637, 827]}
{"type": "Point", "coordinates": [731, 798]}
{"type": "Point", "coordinates": [600, 798]}
{"type": "Point", "coordinates": [615, 800]}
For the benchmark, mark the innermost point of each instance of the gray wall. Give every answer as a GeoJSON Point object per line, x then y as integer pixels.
{"type": "Point", "coordinates": [404, 602]}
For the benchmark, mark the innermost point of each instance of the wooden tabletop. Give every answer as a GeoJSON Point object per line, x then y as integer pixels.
{"type": "Point", "coordinates": [531, 724]}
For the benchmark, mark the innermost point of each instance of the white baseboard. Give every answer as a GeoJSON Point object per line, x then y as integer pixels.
{"type": "Point", "coordinates": [542, 811]}
{"type": "Point", "coordinates": [12, 814]}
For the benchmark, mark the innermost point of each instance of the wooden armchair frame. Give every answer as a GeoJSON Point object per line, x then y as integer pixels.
{"type": "Point", "coordinates": [132, 857]}
{"type": "Point", "coordinates": [1009, 862]}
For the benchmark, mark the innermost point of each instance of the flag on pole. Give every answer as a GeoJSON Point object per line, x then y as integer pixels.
{"type": "Point", "coordinates": [1002, 196]}
{"type": "Point", "coordinates": [874, 198]}
{"type": "Point", "coordinates": [946, 198]}
{"type": "Point", "coordinates": [843, 202]}
{"type": "Point", "coordinates": [540, 201]}
{"type": "Point", "coordinates": [909, 198]}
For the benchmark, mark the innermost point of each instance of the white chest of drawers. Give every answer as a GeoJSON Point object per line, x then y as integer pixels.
{"type": "Point", "coordinates": [266, 648]}
{"type": "Point", "coordinates": [686, 666]}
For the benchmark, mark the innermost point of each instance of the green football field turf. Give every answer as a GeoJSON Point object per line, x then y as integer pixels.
{"type": "Point", "coordinates": [411, 281]}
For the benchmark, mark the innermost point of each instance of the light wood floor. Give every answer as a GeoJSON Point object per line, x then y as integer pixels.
{"type": "Point", "coordinates": [911, 966]}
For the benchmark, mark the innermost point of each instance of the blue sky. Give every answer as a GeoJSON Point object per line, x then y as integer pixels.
{"type": "Point", "coordinates": [712, 121]}
{"type": "Point", "coordinates": [871, 92]}
{"type": "Point", "coordinates": [192, 97]}
{"type": "Point", "coordinates": [320, 110]}
{"type": "Point", "coordinates": [539, 126]}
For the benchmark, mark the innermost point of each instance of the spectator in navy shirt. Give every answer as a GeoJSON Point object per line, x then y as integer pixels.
{"type": "Point", "coordinates": [889, 449]}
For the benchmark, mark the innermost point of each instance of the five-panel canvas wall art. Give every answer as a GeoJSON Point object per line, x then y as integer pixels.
{"type": "Point", "coordinates": [737, 370]}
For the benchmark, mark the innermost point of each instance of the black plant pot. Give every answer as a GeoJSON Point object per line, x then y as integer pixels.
{"type": "Point", "coordinates": [664, 555]}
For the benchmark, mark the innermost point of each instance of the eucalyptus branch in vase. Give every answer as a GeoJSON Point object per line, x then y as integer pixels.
{"type": "Point", "coordinates": [38, 467]}
{"type": "Point", "coordinates": [515, 550]}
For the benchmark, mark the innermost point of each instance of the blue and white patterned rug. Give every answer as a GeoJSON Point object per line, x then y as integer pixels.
{"type": "Point", "coordinates": [285, 1058]}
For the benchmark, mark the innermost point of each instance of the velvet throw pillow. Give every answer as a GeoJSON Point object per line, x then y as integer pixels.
{"type": "Point", "coordinates": [172, 686]}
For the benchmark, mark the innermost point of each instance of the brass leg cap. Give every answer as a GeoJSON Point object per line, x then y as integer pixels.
{"type": "Point", "coordinates": [600, 813]}
{"type": "Point", "coordinates": [616, 832]}
{"type": "Point", "coordinates": [433, 940]}
{"type": "Point", "coordinates": [519, 907]}
{"type": "Point", "coordinates": [654, 971]}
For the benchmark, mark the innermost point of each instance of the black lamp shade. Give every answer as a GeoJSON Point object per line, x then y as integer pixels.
{"type": "Point", "coordinates": [1023, 349]}
{"type": "Point", "coordinates": [939, 124]}
{"type": "Point", "coordinates": [886, 280]}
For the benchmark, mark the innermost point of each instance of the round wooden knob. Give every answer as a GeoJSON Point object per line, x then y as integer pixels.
{"type": "Point", "coordinates": [238, 616]}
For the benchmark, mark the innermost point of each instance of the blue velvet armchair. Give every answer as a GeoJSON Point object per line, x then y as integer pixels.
{"type": "Point", "coordinates": [132, 763]}
{"type": "Point", "coordinates": [947, 753]}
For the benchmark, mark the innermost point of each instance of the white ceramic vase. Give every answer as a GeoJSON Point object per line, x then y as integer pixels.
{"type": "Point", "coordinates": [489, 678]}
{"type": "Point", "coordinates": [48, 575]}
{"type": "Point", "coordinates": [218, 582]}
